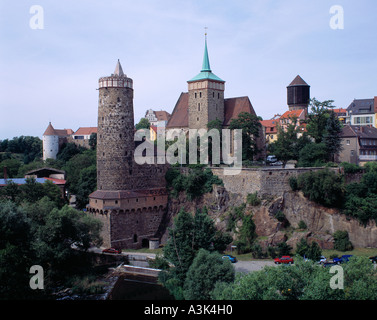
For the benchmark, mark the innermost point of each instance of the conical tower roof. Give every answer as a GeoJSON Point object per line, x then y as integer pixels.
{"type": "Point", "coordinates": [50, 131]}
{"type": "Point", "coordinates": [118, 70]}
{"type": "Point", "coordinates": [298, 81]}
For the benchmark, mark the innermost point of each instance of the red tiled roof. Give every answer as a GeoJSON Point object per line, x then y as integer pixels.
{"type": "Point", "coordinates": [50, 131]}
{"type": "Point", "coordinates": [86, 131]}
{"type": "Point", "coordinates": [293, 113]}
{"type": "Point", "coordinates": [162, 115]}
{"type": "Point", "coordinates": [234, 106]}
{"type": "Point", "coordinates": [179, 116]}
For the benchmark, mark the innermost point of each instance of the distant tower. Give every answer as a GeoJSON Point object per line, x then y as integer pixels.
{"type": "Point", "coordinates": [50, 143]}
{"type": "Point", "coordinates": [115, 137]}
{"type": "Point", "coordinates": [206, 96]}
{"type": "Point", "coordinates": [298, 94]}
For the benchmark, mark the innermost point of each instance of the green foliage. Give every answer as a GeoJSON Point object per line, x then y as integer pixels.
{"type": "Point", "coordinates": [196, 183]}
{"type": "Point", "coordinates": [293, 183]}
{"type": "Point", "coordinates": [29, 148]}
{"type": "Point", "coordinates": [318, 118]}
{"type": "Point", "coordinates": [305, 281]}
{"type": "Point", "coordinates": [205, 271]}
{"type": "Point", "coordinates": [351, 168]}
{"type": "Point", "coordinates": [188, 235]}
{"type": "Point", "coordinates": [313, 155]}
{"type": "Point", "coordinates": [143, 124]}
{"type": "Point", "coordinates": [302, 225]}
{"type": "Point", "coordinates": [331, 137]}
{"type": "Point", "coordinates": [250, 126]}
{"type": "Point", "coordinates": [341, 241]}
{"type": "Point", "coordinates": [39, 233]}
{"type": "Point", "coordinates": [253, 199]}
{"type": "Point", "coordinates": [323, 186]}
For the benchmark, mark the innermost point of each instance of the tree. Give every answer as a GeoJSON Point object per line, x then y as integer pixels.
{"type": "Point", "coordinates": [143, 124]}
{"type": "Point", "coordinates": [341, 241]}
{"type": "Point", "coordinates": [284, 148]}
{"type": "Point", "coordinates": [332, 138]}
{"type": "Point", "coordinates": [317, 118]}
{"type": "Point", "coordinates": [250, 126]}
{"type": "Point", "coordinates": [312, 155]}
{"type": "Point", "coordinates": [206, 269]}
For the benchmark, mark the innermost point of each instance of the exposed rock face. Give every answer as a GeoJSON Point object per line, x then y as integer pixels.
{"type": "Point", "coordinates": [321, 222]}
{"type": "Point", "coordinates": [325, 221]}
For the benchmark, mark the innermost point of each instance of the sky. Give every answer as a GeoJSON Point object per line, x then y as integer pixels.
{"type": "Point", "coordinates": [49, 67]}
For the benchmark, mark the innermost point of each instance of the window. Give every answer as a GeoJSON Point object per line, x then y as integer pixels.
{"type": "Point", "coordinates": [198, 106]}
{"type": "Point", "coordinates": [200, 94]}
{"type": "Point", "coordinates": [218, 95]}
{"type": "Point", "coordinates": [348, 142]}
{"type": "Point", "coordinates": [195, 95]}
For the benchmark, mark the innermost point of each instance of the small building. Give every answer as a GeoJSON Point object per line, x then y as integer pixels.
{"type": "Point", "coordinates": [270, 129]}
{"type": "Point", "coordinates": [82, 136]}
{"type": "Point", "coordinates": [359, 144]}
{"type": "Point", "coordinates": [157, 118]}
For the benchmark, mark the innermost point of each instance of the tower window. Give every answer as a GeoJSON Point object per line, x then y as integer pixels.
{"type": "Point", "coordinates": [218, 95]}
{"type": "Point", "coordinates": [213, 94]}
{"type": "Point", "coordinates": [195, 95]}
{"type": "Point", "coordinates": [200, 94]}
{"type": "Point", "coordinates": [197, 119]}
{"type": "Point", "coordinates": [198, 106]}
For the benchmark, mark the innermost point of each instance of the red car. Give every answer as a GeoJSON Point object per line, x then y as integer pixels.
{"type": "Point", "coordinates": [111, 250]}
{"type": "Point", "coordinates": [284, 259]}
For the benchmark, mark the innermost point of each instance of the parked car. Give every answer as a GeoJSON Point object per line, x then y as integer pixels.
{"type": "Point", "coordinates": [284, 260]}
{"type": "Point", "coordinates": [230, 258]}
{"type": "Point", "coordinates": [343, 258]}
{"type": "Point", "coordinates": [322, 260]}
{"type": "Point", "coordinates": [111, 250]}
{"type": "Point", "coordinates": [373, 259]}
{"type": "Point", "coordinates": [271, 159]}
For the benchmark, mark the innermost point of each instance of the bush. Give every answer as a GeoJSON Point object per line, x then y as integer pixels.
{"type": "Point", "coordinates": [293, 183]}
{"type": "Point", "coordinates": [253, 199]}
{"type": "Point", "coordinates": [341, 241]}
{"type": "Point", "coordinates": [324, 187]}
{"type": "Point", "coordinates": [302, 225]}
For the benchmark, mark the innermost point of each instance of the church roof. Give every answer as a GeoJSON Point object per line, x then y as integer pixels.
{"type": "Point", "coordinates": [179, 116]}
{"type": "Point", "coordinates": [298, 81]}
{"type": "Point", "coordinates": [206, 72]}
{"type": "Point", "coordinates": [232, 108]}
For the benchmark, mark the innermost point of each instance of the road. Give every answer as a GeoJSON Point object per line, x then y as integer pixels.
{"type": "Point", "coordinates": [248, 266]}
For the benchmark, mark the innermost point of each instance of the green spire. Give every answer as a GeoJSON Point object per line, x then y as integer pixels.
{"type": "Point", "coordinates": [206, 72]}
{"type": "Point", "coordinates": [206, 67]}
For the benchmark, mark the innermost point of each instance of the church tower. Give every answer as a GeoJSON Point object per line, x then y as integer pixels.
{"type": "Point", "coordinates": [206, 96]}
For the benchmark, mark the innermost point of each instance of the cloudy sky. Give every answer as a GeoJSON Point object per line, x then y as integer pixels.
{"type": "Point", "coordinates": [256, 46]}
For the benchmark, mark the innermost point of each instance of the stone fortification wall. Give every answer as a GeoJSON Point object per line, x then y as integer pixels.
{"type": "Point", "coordinates": [264, 181]}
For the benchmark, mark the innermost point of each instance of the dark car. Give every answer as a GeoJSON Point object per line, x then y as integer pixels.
{"type": "Point", "coordinates": [342, 259]}
{"type": "Point", "coordinates": [373, 259]}
{"type": "Point", "coordinates": [230, 258]}
{"type": "Point", "coordinates": [111, 250]}
{"type": "Point", "coordinates": [284, 260]}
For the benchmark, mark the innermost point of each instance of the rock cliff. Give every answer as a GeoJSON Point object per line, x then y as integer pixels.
{"type": "Point", "coordinates": [321, 222]}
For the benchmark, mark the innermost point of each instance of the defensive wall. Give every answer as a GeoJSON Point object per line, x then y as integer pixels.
{"type": "Point", "coordinates": [264, 181]}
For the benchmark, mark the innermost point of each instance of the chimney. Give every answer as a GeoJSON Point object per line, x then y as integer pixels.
{"type": "Point", "coordinates": [5, 173]}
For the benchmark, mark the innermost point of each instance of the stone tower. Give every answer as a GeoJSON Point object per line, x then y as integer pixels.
{"type": "Point", "coordinates": [115, 137]}
{"type": "Point", "coordinates": [298, 94]}
{"type": "Point", "coordinates": [206, 96]}
{"type": "Point", "coordinates": [131, 199]}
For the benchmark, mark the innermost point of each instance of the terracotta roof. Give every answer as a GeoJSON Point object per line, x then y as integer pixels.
{"type": "Point", "coordinates": [293, 113]}
{"type": "Point", "coordinates": [179, 116]}
{"type": "Point", "coordinates": [271, 125]}
{"type": "Point", "coordinates": [50, 131]}
{"type": "Point", "coordinates": [162, 115]}
{"type": "Point", "coordinates": [234, 106]}
{"type": "Point", "coordinates": [298, 81]}
{"type": "Point", "coordinates": [86, 131]}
